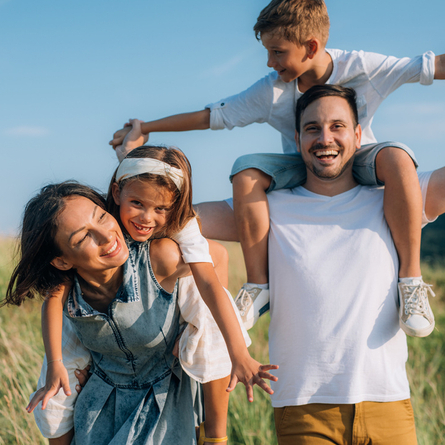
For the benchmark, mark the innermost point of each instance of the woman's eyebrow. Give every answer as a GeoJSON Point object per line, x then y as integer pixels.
{"type": "Point", "coordinates": [82, 228]}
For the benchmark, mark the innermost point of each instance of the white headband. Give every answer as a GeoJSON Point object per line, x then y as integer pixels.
{"type": "Point", "coordinates": [137, 166]}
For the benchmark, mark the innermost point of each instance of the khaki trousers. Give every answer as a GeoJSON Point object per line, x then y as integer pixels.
{"type": "Point", "coordinates": [365, 423]}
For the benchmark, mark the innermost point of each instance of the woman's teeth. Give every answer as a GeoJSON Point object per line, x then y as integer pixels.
{"type": "Point", "coordinates": [112, 249]}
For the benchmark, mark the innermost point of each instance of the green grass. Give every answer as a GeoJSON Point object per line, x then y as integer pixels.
{"type": "Point", "coordinates": [21, 354]}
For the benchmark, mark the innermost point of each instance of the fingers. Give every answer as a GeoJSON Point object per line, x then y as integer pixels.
{"type": "Point", "coordinates": [66, 386]}
{"type": "Point", "coordinates": [263, 385]}
{"type": "Point", "coordinates": [268, 367]}
{"type": "Point", "coordinates": [232, 384]}
{"type": "Point", "coordinates": [38, 396]}
{"type": "Point", "coordinates": [82, 375]}
{"type": "Point", "coordinates": [249, 391]}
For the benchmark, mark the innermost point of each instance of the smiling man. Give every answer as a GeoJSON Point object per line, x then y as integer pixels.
{"type": "Point", "coordinates": [334, 328]}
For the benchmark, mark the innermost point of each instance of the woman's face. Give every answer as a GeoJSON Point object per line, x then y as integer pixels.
{"type": "Point", "coordinates": [90, 238]}
{"type": "Point", "coordinates": [144, 208]}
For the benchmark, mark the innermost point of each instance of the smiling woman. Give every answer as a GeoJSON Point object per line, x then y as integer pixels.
{"type": "Point", "coordinates": [119, 311]}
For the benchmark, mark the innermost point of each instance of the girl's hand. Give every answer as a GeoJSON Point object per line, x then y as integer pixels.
{"type": "Point", "coordinates": [133, 139]}
{"type": "Point", "coordinates": [250, 372]}
{"type": "Point", "coordinates": [56, 378]}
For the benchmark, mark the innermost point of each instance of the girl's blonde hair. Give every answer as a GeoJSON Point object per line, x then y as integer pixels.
{"type": "Point", "coordinates": [182, 209]}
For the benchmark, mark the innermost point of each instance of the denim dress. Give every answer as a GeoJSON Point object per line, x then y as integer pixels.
{"type": "Point", "coordinates": [137, 393]}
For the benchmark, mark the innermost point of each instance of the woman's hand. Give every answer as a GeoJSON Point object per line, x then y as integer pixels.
{"type": "Point", "coordinates": [133, 138]}
{"type": "Point", "coordinates": [250, 372]}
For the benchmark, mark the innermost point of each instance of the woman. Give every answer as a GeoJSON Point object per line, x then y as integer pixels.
{"type": "Point", "coordinates": [124, 308]}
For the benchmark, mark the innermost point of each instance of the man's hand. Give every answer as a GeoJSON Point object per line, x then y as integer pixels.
{"type": "Point", "coordinates": [250, 373]}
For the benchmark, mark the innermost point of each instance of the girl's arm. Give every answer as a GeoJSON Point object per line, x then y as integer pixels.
{"type": "Point", "coordinates": [244, 368]}
{"type": "Point", "coordinates": [168, 267]}
{"type": "Point", "coordinates": [52, 323]}
{"type": "Point", "coordinates": [197, 120]}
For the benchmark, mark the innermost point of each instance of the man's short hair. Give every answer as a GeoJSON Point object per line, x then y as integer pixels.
{"type": "Point", "coordinates": [294, 20]}
{"type": "Point", "coordinates": [319, 91]}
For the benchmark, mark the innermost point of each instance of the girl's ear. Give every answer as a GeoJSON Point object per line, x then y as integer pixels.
{"type": "Point", "coordinates": [61, 264]}
{"type": "Point", "coordinates": [116, 193]}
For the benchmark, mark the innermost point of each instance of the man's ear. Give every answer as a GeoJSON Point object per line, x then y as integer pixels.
{"type": "Point", "coordinates": [358, 136]}
{"type": "Point", "coordinates": [312, 47]}
{"type": "Point", "coordinates": [116, 193]}
{"type": "Point", "coordinates": [297, 140]}
{"type": "Point", "coordinates": [61, 264]}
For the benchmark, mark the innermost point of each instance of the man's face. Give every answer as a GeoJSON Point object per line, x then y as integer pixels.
{"type": "Point", "coordinates": [328, 138]}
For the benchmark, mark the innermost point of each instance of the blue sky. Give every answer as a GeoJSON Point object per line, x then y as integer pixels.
{"type": "Point", "coordinates": [71, 73]}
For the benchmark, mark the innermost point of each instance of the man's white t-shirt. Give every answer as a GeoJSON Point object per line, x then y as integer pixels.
{"type": "Point", "coordinates": [334, 328]}
{"type": "Point", "coordinates": [373, 76]}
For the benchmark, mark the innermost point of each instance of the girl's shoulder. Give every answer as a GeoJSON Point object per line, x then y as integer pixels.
{"type": "Point", "coordinates": [166, 258]}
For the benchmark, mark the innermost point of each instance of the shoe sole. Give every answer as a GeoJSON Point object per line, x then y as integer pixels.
{"type": "Point", "coordinates": [420, 333]}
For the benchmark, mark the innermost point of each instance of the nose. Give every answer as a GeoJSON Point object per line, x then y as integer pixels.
{"type": "Point", "coordinates": [270, 60]}
{"type": "Point", "coordinates": [145, 216]}
{"type": "Point", "coordinates": [325, 136]}
{"type": "Point", "coordinates": [104, 235]}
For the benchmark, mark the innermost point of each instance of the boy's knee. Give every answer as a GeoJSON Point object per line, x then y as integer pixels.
{"type": "Point", "coordinates": [251, 177]}
{"type": "Point", "coordinates": [393, 160]}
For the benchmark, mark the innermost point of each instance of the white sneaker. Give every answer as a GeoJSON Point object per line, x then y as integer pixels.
{"type": "Point", "coordinates": [415, 315]}
{"type": "Point", "coordinates": [252, 302]}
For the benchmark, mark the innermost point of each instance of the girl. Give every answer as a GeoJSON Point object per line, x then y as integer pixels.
{"type": "Point", "coordinates": [158, 204]}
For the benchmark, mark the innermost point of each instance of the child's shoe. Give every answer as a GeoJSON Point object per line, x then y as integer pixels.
{"type": "Point", "coordinates": [415, 315]}
{"type": "Point", "coordinates": [252, 302]}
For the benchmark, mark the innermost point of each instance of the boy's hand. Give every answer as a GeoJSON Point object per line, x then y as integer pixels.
{"type": "Point", "coordinates": [118, 137]}
{"type": "Point", "coordinates": [82, 375]}
{"type": "Point", "coordinates": [56, 378]}
{"type": "Point", "coordinates": [250, 372]}
{"type": "Point", "coordinates": [133, 139]}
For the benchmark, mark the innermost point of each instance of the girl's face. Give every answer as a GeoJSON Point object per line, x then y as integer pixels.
{"type": "Point", "coordinates": [90, 238]}
{"type": "Point", "coordinates": [144, 208]}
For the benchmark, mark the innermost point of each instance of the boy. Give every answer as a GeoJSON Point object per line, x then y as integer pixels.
{"type": "Point", "coordinates": [295, 33]}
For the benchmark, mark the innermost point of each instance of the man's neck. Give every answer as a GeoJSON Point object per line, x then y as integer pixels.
{"type": "Point", "coordinates": [329, 187]}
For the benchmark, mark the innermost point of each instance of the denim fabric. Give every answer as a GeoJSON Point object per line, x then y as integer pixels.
{"type": "Point", "coordinates": [138, 393]}
{"type": "Point", "coordinates": [288, 170]}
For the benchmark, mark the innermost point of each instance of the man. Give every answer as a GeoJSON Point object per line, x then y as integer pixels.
{"type": "Point", "coordinates": [334, 328]}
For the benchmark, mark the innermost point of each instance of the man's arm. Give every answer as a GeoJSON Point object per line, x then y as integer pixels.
{"type": "Point", "coordinates": [197, 120]}
{"type": "Point", "coordinates": [439, 72]}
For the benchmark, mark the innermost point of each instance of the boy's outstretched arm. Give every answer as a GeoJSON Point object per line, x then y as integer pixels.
{"type": "Point", "coordinates": [197, 120]}
{"type": "Point", "coordinates": [439, 72]}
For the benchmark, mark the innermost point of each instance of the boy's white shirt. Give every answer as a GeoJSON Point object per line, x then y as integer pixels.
{"type": "Point", "coordinates": [373, 76]}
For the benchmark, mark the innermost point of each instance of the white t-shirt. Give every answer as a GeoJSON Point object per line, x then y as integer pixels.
{"type": "Point", "coordinates": [271, 100]}
{"type": "Point", "coordinates": [334, 328]}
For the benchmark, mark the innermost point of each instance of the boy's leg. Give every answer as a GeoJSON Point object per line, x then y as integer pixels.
{"type": "Point", "coordinates": [251, 211]}
{"type": "Point", "coordinates": [216, 405]}
{"type": "Point", "coordinates": [402, 206]}
{"type": "Point", "coordinates": [435, 196]}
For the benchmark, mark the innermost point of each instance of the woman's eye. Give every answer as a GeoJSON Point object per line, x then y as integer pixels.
{"type": "Point", "coordinates": [102, 216]}
{"type": "Point", "coordinates": [83, 239]}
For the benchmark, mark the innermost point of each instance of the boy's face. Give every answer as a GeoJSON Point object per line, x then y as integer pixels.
{"type": "Point", "coordinates": [287, 58]}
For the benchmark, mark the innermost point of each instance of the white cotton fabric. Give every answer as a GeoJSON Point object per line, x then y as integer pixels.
{"type": "Point", "coordinates": [202, 350]}
{"type": "Point", "coordinates": [202, 353]}
{"type": "Point", "coordinates": [334, 328]}
{"type": "Point", "coordinates": [57, 418]}
{"type": "Point", "coordinates": [373, 76]}
{"type": "Point", "coordinates": [194, 247]}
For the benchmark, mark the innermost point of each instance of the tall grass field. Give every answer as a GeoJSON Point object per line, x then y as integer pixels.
{"type": "Point", "coordinates": [21, 353]}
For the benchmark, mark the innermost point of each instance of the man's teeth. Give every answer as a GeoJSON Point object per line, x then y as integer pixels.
{"type": "Point", "coordinates": [319, 154]}
{"type": "Point", "coordinates": [112, 249]}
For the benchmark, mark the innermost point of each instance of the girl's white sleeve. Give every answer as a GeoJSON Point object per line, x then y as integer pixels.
{"type": "Point", "coordinates": [194, 247]}
{"type": "Point", "coordinates": [203, 352]}
{"type": "Point", "coordinates": [58, 416]}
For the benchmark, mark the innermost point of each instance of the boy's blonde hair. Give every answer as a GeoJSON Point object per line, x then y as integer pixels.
{"type": "Point", "coordinates": [182, 209]}
{"type": "Point", "coordinates": [294, 20]}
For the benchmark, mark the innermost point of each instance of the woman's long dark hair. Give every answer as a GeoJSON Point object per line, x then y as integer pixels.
{"type": "Point", "coordinates": [34, 273]}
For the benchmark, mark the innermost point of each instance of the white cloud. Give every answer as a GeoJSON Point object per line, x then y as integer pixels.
{"type": "Point", "coordinates": [27, 131]}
